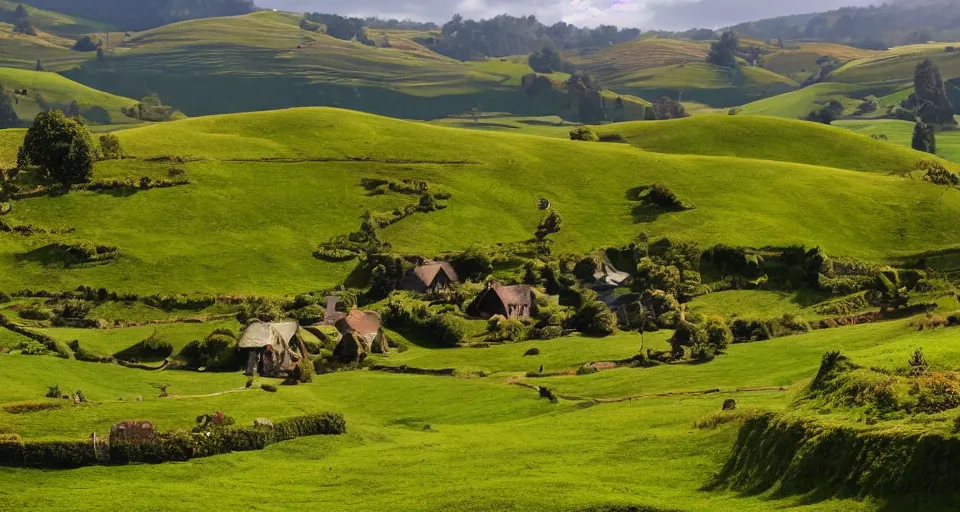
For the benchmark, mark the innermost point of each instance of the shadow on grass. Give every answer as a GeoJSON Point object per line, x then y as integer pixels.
{"type": "Point", "coordinates": [119, 192]}
{"type": "Point", "coordinates": [51, 255]}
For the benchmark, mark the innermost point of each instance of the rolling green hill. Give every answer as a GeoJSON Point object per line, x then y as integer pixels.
{"type": "Point", "coordinates": [769, 139]}
{"type": "Point", "coordinates": [494, 179]}
{"type": "Point", "coordinates": [95, 106]}
{"type": "Point", "coordinates": [265, 61]}
{"type": "Point", "coordinates": [799, 60]}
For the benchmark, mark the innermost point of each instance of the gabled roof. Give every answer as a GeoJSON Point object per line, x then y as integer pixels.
{"type": "Point", "coordinates": [421, 277]}
{"type": "Point", "coordinates": [515, 295]}
{"type": "Point", "coordinates": [363, 322]}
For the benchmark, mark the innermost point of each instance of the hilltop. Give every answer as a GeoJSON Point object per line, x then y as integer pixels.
{"type": "Point", "coordinates": [57, 92]}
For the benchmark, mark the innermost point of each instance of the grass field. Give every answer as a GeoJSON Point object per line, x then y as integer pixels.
{"type": "Point", "coordinates": [407, 430]}
{"type": "Point", "coordinates": [769, 139]}
{"type": "Point", "coordinates": [494, 179]}
{"type": "Point", "coordinates": [799, 60]}
{"type": "Point", "coordinates": [901, 132]}
{"type": "Point", "coordinates": [59, 91]}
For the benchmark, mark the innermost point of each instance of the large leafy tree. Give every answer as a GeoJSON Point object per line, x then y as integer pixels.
{"type": "Point", "coordinates": [59, 148]}
{"type": "Point", "coordinates": [933, 107]}
{"type": "Point", "coordinates": [723, 52]}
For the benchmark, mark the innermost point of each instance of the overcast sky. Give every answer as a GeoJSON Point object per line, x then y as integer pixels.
{"type": "Point", "coordinates": [645, 14]}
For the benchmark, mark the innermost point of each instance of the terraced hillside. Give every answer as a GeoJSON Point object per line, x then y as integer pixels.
{"type": "Point", "coordinates": [494, 178]}
{"type": "Point", "coordinates": [651, 68]}
{"type": "Point", "coordinates": [799, 60]}
{"type": "Point", "coordinates": [265, 61]}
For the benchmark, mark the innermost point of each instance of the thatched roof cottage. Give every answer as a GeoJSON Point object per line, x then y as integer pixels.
{"type": "Point", "coordinates": [515, 301]}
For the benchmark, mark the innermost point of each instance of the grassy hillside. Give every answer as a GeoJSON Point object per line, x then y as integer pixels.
{"type": "Point", "coordinates": [799, 60]}
{"type": "Point", "coordinates": [494, 179]}
{"type": "Point", "coordinates": [57, 23]}
{"type": "Point", "coordinates": [265, 61]}
{"type": "Point", "coordinates": [901, 132]}
{"type": "Point", "coordinates": [769, 139]}
{"type": "Point", "coordinates": [894, 68]}
{"type": "Point", "coordinates": [59, 91]}
{"type": "Point", "coordinates": [798, 104]}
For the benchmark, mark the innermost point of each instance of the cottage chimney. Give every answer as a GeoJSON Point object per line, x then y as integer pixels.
{"type": "Point", "coordinates": [331, 307]}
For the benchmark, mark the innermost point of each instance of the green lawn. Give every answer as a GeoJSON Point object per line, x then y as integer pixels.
{"type": "Point", "coordinates": [555, 355]}
{"type": "Point", "coordinates": [107, 342]}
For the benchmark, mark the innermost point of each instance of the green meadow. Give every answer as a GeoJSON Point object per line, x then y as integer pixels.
{"type": "Point", "coordinates": [267, 233]}
{"type": "Point", "coordinates": [311, 166]}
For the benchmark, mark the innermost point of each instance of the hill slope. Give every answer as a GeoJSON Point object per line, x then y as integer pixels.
{"type": "Point", "coordinates": [651, 68]}
{"type": "Point", "coordinates": [769, 139]}
{"type": "Point", "coordinates": [494, 178]}
{"type": "Point", "coordinates": [96, 107]}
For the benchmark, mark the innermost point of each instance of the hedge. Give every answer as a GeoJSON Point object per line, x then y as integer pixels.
{"type": "Point", "coordinates": [173, 446]}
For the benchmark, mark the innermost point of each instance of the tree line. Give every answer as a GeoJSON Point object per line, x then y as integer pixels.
{"type": "Point", "coordinates": [504, 35]}
{"type": "Point", "coordinates": [875, 27]}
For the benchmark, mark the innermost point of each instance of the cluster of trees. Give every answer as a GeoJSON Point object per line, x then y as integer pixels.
{"type": "Point", "coordinates": [548, 60]}
{"type": "Point", "coordinates": [875, 27]}
{"type": "Point", "coordinates": [346, 29]}
{"type": "Point", "coordinates": [145, 14]}
{"type": "Point", "coordinates": [150, 108]}
{"type": "Point", "coordinates": [504, 35]}
{"type": "Point", "coordinates": [8, 115]}
{"type": "Point", "coordinates": [395, 24]}
{"type": "Point", "coordinates": [20, 19]}
{"type": "Point", "coordinates": [723, 52]}
{"type": "Point", "coordinates": [828, 113]}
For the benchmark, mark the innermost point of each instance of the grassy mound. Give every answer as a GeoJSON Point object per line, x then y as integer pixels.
{"type": "Point", "coordinates": [96, 107]}
{"type": "Point", "coordinates": [769, 139]}
{"type": "Point", "coordinates": [314, 159]}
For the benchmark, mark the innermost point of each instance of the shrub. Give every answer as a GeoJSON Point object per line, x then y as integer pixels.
{"type": "Point", "coordinates": [595, 318]}
{"type": "Point", "coordinates": [718, 335]}
{"type": "Point", "coordinates": [929, 322]}
{"type": "Point", "coordinates": [532, 352]}
{"type": "Point", "coordinates": [548, 333]}
{"type": "Point", "coordinates": [918, 363]}
{"type": "Point", "coordinates": [661, 195]}
{"type": "Point", "coordinates": [34, 311]}
{"type": "Point", "coordinates": [32, 348]}
{"type": "Point", "coordinates": [503, 329]}
{"type": "Point", "coordinates": [54, 391]}
{"type": "Point", "coordinates": [587, 370]}
{"type": "Point", "coordinates": [551, 223]}
{"type": "Point", "coordinates": [268, 388]}
{"type": "Point", "coordinates": [584, 133]}
{"type": "Point", "coordinates": [306, 370]}
{"type": "Point", "coordinates": [548, 394]}
{"type": "Point", "coordinates": [110, 147]}
{"type": "Point", "coordinates": [449, 330]}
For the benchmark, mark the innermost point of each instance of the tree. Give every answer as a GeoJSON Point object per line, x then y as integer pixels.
{"type": "Point", "coordinates": [585, 88]}
{"type": "Point", "coordinates": [596, 319]}
{"type": "Point", "coordinates": [25, 27]}
{"type": "Point", "coordinates": [933, 106]}
{"type": "Point", "coordinates": [584, 133]}
{"type": "Point", "coordinates": [828, 113]}
{"type": "Point", "coordinates": [918, 363]}
{"type": "Point", "coordinates": [86, 44]}
{"type": "Point", "coordinates": [39, 66]}
{"type": "Point", "coordinates": [101, 56]}
{"type": "Point", "coordinates": [668, 108]}
{"type": "Point", "coordinates": [59, 148]}
{"type": "Point", "coordinates": [924, 138]}
{"type": "Point", "coordinates": [74, 110]}
{"type": "Point", "coordinates": [8, 116]}
{"type": "Point", "coordinates": [723, 51]}
{"type": "Point", "coordinates": [551, 223]}
{"type": "Point", "coordinates": [546, 60]}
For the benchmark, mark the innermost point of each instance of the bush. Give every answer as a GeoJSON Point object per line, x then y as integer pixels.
{"type": "Point", "coordinates": [548, 333]}
{"type": "Point", "coordinates": [152, 347]}
{"type": "Point", "coordinates": [34, 311]}
{"type": "Point", "coordinates": [110, 147]}
{"type": "Point", "coordinates": [448, 330]}
{"type": "Point", "coordinates": [305, 368]}
{"type": "Point", "coordinates": [548, 394]}
{"type": "Point", "coordinates": [596, 319]}
{"type": "Point", "coordinates": [532, 352]}
{"type": "Point", "coordinates": [32, 348]}
{"type": "Point", "coordinates": [268, 388]}
{"type": "Point", "coordinates": [584, 133]}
